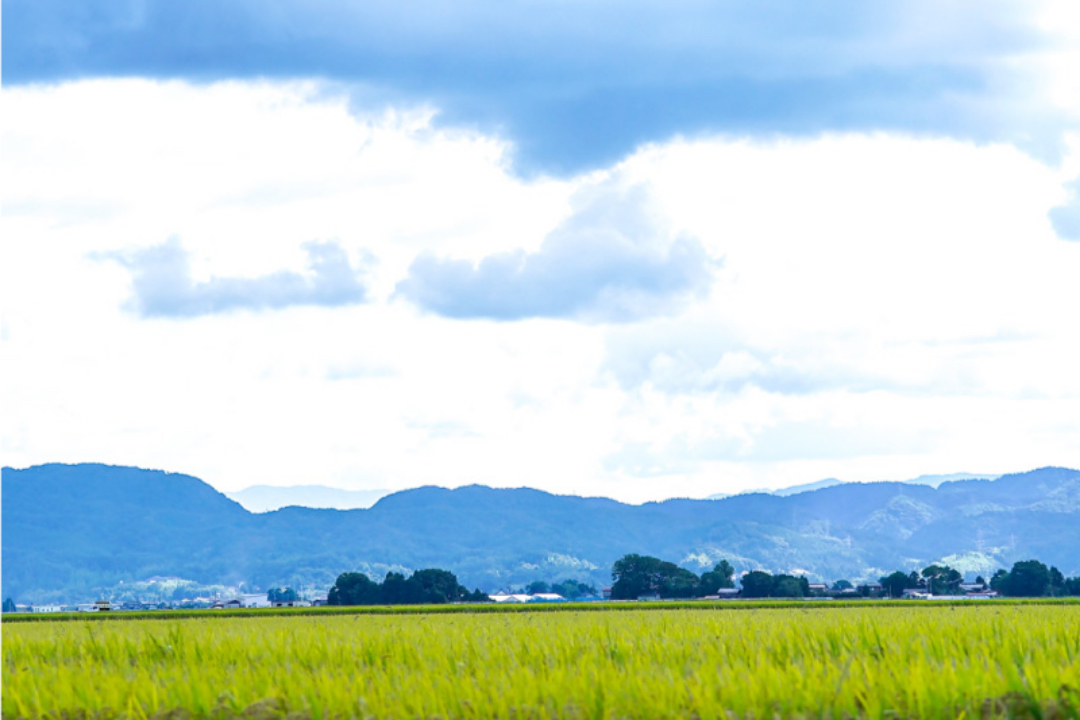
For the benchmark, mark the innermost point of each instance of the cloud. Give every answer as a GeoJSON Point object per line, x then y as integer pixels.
{"type": "Point", "coordinates": [162, 284]}
{"type": "Point", "coordinates": [818, 439]}
{"type": "Point", "coordinates": [1066, 218]}
{"type": "Point", "coordinates": [578, 85]}
{"type": "Point", "coordinates": [610, 261]}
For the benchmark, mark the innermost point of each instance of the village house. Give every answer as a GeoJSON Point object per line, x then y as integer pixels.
{"type": "Point", "coordinates": [502, 597]}
{"type": "Point", "coordinates": [290, 603]}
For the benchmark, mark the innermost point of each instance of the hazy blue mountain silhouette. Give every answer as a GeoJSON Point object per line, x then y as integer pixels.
{"type": "Point", "coordinates": [70, 528]}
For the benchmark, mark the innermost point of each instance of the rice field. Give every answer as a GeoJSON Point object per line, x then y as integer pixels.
{"type": "Point", "coordinates": [914, 661]}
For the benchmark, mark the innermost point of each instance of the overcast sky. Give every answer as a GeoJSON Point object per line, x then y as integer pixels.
{"type": "Point", "coordinates": [635, 249]}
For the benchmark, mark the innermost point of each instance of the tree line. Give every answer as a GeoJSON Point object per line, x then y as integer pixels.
{"type": "Point", "coordinates": [431, 586]}
{"type": "Point", "coordinates": [635, 576]}
{"type": "Point", "coordinates": [1027, 578]}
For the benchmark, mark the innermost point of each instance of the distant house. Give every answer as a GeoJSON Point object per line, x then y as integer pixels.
{"type": "Point", "coordinates": [46, 608]}
{"type": "Point", "coordinates": [254, 600]}
{"type": "Point", "coordinates": [502, 597]}
{"type": "Point", "coordinates": [724, 594]}
{"type": "Point", "coordinates": [290, 603]}
{"type": "Point", "coordinates": [103, 605]}
{"type": "Point", "coordinates": [605, 593]}
{"type": "Point", "coordinates": [232, 604]}
{"type": "Point", "coordinates": [871, 589]}
{"type": "Point", "coordinates": [818, 588]}
{"type": "Point", "coordinates": [916, 594]}
{"type": "Point", "coordinates": [319, 601]}
{"type": "Point", "coordinates": [982, 595]}
{"type": "Point", "coordinates": [966, 587]}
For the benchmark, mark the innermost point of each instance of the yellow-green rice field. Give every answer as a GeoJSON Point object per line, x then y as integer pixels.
{"type": "Point", "coordinates": [986, 660]}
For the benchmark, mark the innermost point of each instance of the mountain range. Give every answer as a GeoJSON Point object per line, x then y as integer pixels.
{"type": "Point", "coordinates": [71, 529]}
{"type": "Point", "coordinates": [931, 480]}
{"type": "Point", "coordinates": [264, 498]}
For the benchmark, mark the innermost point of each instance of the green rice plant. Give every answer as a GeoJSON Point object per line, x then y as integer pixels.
{"type": "Point", "coordinates": [783, 660]}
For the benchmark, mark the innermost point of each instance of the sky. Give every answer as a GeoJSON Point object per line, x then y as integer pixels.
{"type": "Point", "coordinates": [638, 250]}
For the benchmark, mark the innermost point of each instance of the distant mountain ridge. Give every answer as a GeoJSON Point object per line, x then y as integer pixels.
{"type": "Point", "coordinates": [70, 528]}
{"type": "Point", "coordinates": [931, 480]}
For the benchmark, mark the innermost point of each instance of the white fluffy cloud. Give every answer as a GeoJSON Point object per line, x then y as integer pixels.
{"type": "Point", "coordinates": [886, 306]}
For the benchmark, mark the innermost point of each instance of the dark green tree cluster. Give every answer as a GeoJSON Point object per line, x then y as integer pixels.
{"type": "Point", "coordinates": [431, 586]}
{"type": "Point", "coordinates": [1031, 578]}
{"type": "Point", "coordinates": [760, 584]}
{"type": "Point", "coordinates": [569, 589]}
{"type": "Point", "coordinates": [9, 605]}
{"type": "Point", "coordinates": [637, 576]}
{"type": "Point", "coordinates": [934, 579]}
{"type": "Point", "coordinates": [942, 580]}
{"type": "Point", "coordinates": [282, 595]}
{"type": "Point", "coordinates": [895, 584]}
{"type": "Point", "coordinates": [1028, 578]}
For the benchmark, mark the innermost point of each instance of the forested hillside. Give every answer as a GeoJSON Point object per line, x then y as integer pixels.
{"type": "Point", "coordinates": [70, 528]}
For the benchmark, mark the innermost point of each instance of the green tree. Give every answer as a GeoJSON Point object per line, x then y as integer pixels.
{"type": "Point", "coordinates": [788, 586]}
{"type": "Point", "coordinates": [9, 605]}
{"type": "Point", "coordinates": [476, 595]}
{"type": "Point", "coordinates": [573, 589]}
{"type": "Point", "coordinates": [942, 579]}
{"type": "Point", "coordinates": [396, 590]}
{"type": "Point", "coordinates": [896, 583]}
{"type": "Point", "coordinates": [843, 585]}
{"type": "Point", "coordinates": [1028, 578]}
{"type": "Point", "coordinates": [353, 588]}
{"type": "Point", "coordinates": [537, 586]}
{"type": "Point", "coordinates": [1057, 581]}
{"type": "Point", "coordinates": [436, 586]}
{"type": "Point", "coordinates": [677, 582]}
{"type": "Point", "coordinates": [719, 577]}
{"type": "Point", "coordinates": [757, 584]}
{"type": "Point", "coordinates": [635, 575]}
{"type": "Point", "coordinates": [282, 595]}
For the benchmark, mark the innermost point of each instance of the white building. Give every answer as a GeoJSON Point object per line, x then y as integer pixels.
{"type": "Point", "coordinates": [255, 600]}
{"type": "Point", "coordinates": [502, 597]}
{"type": "Point", "coordinates": [547, 597]}
{"type": "Point", "coordinates": [250, 600]}
{"type": "Point", "coordinates": [46, 608]}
